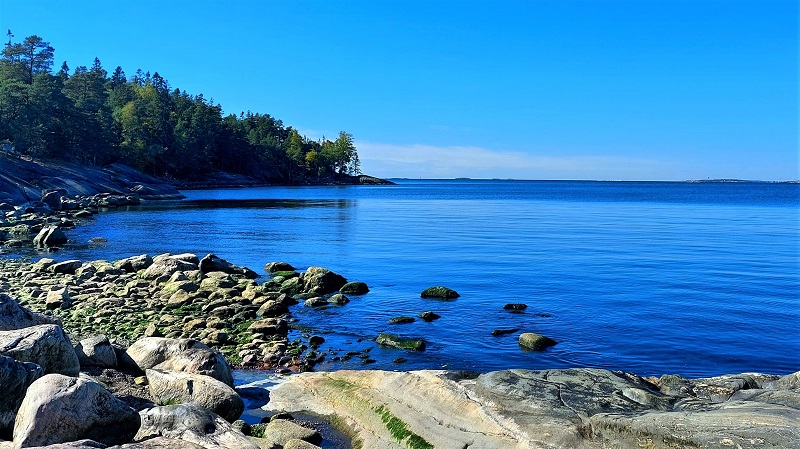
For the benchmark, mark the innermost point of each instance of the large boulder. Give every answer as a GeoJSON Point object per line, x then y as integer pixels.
{"type": "Point", "coordinates": [15, 378]}
{"type": "Point", "coordinates": [192, 423]}
{"type": "Point", "coordinates": [14, 316]}
{"type": "Point", "coordinates": [274, 267]}
{"type": "Point", "coordinates": [182, 354]}
{"type": "Point", "coordinates": [321, 281]}
{"type": "Point", "coordinates": [59, 409]}
{"type": "Point", "coordinates": [280, 431]}
{"type": "Point", "coordinates": [96, 351]}
{"type": "Point", "coordinates": [164, 267]}
{"type": "Point", "coordinates": [46, 345]}
{"type": "Point", "coordinates": [535, 342]}
{"type": "Point", "coordinates": [135, 263]}
{"type": "Point", "coordinates": [50, 236]}
{"type": "Point", "coordinates": [65, 267]}
{"type": "Point", "coordinates": [169, 387]}
{"type": "Point", "coordinates": [212, 263]}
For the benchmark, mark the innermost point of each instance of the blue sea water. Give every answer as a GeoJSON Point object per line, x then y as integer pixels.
{"type": "Point", "coordinates": [697, 279]}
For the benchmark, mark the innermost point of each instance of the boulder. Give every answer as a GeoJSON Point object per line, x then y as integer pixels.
{"type": "Point", "coordinates": [278, 432]}
{"type": "Point", "coordinates": [273, 267]}
{"type": "Point", "coordinates": [269, 326]}
{"type": "Point", "coordinates": [321, 281]}
{"type": "Point", "coordinates": [96, 351]}
{"type": "Point", "coordinates": [183, 354]}
{"type": "Point", "coordinates": [299, 444]}
{"type": "Point", "coordinates": [354, 288]}
{"type": "Point", "coordinates": [14, 316]}
{"type": "Point", "coordinates": [535, 342]}
{"type": "Point", "coordinates": [52, 197]}
{"type": "Point", "coordinates": [66, 267]}
{"type": "Point", "coordinates": [46, 345]}
{"type": "Point", "coordinates": [166, 267]}
{"type": "Point", "coordinates": [517, 307]}
{"type": "Point", "coordinates": [338, 299]}
{"type": "Point", "coordinates": [429, 316]}
{"type": "Point", "coordinates": [59, 409]}
{"type": "Point", "coordinates": [135, 263]}
{"type": "Point", "coordinates": [394, 341]}
{"type": "Point", "coordinates": [170, 387]}
{"type": "Point", "coordinates": [58, 298]}
{"type": "Point", "coordinates": [15, 378]}
{"type": "Point", "coordinates": [192, 423]}
{"type": "Point", "coordinates": [50, 236]}
{"type": "Point", "coordinates": [439, 293]}
{"type": "Point", "coordinates": [213, 263]}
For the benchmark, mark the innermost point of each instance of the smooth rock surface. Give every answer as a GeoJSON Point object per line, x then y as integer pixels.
{"type": "Point", "coordinates": [191, 423]}
{"type": "Point", "coordinates": [45, 345]}
{"type": "Point", "coordinates": [96, 351]}
{"type": "Point", "coordinates": [180, 355]}
{"type": "Point", "coordinates": [169, 387]}
{"type": "Point", "coordinates": [14, 316]}
{"type": "Point", "coordinates": [15, 378]}
{"type": "Point", "coordinates": [59, 409]}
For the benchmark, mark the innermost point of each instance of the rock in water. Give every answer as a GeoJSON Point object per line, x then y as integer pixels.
{"type": "Point", "coordinates": [321, 281]}
{"type": "Point", "coordinates": [536, 342]}
{"type": "Point", "coordinates": [439, 293]}
{"type": "Point", "coordinates": [58, 409]}
{"type": "Point", "coordinates": [191, 423]}
{"type": "Point", "coordinates": [50, 236]}
{"type": "Point", "coordinates": [412, 344]}
{"type": "Point", "coordinates": [273, 267]}
{"type": "Point", "coordinates": [15, 377]}
{"type": "Point", "coordinates": [169, 387]}
{"type": "Point", "coordinates": [354, 288]}
{"type": "Point", "coordinates": [45, 345]}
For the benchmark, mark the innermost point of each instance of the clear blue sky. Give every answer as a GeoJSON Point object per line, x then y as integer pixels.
{"type": "Point", "coordinates": [580, 89]}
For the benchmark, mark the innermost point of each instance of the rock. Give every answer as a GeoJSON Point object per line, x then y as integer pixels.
{"type": "Point", "coordinates": [166, 267]}
{"type": "Point", "coordinates": [321, 281]}
{"type": "Point", "coordinates": [59, 409]}
{"type": "Point", "coordinates": [501, 332]}
{"type": "Point", "coordinates": [50, 236]}
{"type": "Point", "coordinates": [46, 345]}
{"type": "Point", "coordinates": [273, 267]}
{"type": "Point", "coordinates": [186, 355]}
{"type": "Point", "coordinates": [279, 431]}
{"type": "Point", "coordinates": [52, 197]}
{"type": "Point", "coordinates": [191, 423]}
{"type": "Point", "coordinates": [135, 263]}
{"type": "Point", "coordinates": [269, 326]}
{"type": "Point", "coordinates": [43, 264]}
{"type": "Point", "coordinates": [169, 387]}
{"type": "Point", "coordinates": [271, 309]}
{"type": "Point", "coordinates": [316, 301]}
{"type": "Point", "coordinates": [299, 444]}
{"type": "Point", "coordinates": [400, 343]}
{"type": "Point", "coordinates": [160, 443]}
{"type": "Point", "coordinates": [96, 351]}
{"type": "Point", "coordinates": [15, 378]}
{"type": "Point", "coordinates": [354, 288]}
{"type": "Point", "coordinates": [212, 263]}
{"type": "Point", "coordinates": [439, 293]}
{"type": "Point", "coordinates": [429, 316]}
{"type": "Point", "coordinates": [536, 342]}
{"type": "Point", "coordinates": [316, 340]}
{"type": "Point", "coordinates": [515, 307]}
{"type": "Point", "coordinates": [557, 409]}
{"type": "Point", "coordinates": [338, 299]}
{"type": "Point", "coordinates": [66, 267]}
{"type": "Point", "coordinates": [58, 299]}
{"type": "Point", "coordinates": [80, 444]}
{"type": "Point", "coordinates": [13, 316]}
{"type": "Point", "coordinates": [401, 320]}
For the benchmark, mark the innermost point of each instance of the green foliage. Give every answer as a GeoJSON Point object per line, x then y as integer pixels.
{"type": "Point", "coordinates": [91, 117]}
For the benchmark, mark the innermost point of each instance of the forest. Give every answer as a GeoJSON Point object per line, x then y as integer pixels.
{"type": "Point", "coordinates": [87, 116]}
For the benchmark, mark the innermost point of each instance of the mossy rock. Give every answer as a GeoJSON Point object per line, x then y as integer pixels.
{"type": "Point", "coordinates": [402, 320]}
{"type": "Point", "coordinates": [536, 342]}
{"type": "Point", "coordinates": [354, 288]}
{"type": "Point", "coordinates": [439, 293]}
{"type": "Point", "coordinates": [394, 341]}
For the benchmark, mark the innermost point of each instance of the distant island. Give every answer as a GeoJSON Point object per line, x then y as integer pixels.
{"type": "Point", "coordinates": [90, 118]}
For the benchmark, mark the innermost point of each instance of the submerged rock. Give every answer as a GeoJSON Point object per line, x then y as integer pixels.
{"type": "Point", "coordinates": [411, 344]}
{"type": "Point", "coordinates": [536, 342]}
{"type": "Point", "coordinates": [439, 293]}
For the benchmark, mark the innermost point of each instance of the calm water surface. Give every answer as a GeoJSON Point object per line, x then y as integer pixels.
{"type": "Point", "coordinates": [691, 278]}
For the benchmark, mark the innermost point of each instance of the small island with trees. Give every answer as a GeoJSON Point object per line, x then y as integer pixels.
{"type": "Point", "coordinates": [87, 117]}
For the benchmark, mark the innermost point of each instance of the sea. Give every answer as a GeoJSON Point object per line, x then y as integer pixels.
{"type": "Point", "coordinates": [691, 278]}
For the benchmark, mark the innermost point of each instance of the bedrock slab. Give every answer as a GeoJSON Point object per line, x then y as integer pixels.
{"type": "Point", "coordinates": [569, 408]}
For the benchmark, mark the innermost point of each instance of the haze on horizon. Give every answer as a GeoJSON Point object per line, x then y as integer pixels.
{"type": "Point", "coordinates": [603, 89]}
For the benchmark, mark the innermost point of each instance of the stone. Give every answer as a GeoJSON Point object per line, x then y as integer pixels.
{"type": "Point", "coordinates": [269, 326]}
{"type": "Point", "coordinates": [321, 281]}
{"type": "Point", "coordinates": [535, 342]}
{"type": "Point", "coordinates": [394, 341]}
{"type": "Point", "coordinates": [316, 301]}
{"type": "Point", "coordinates": [299, 444]}
{"type": "Point", "coordinates": [279, 431]}
{"type": "Point", "coordinates": [15, 378]}
{"type": "Point", "coordinates": [402, 320]}
{"type": "Point", "coordinates": [58, 298]}
{"type": "Point", "coordinates": [166, 267]}
{"type": "Point", "coordinates": [439, 293]}
{"type": "Point", "coordinates": [338, 299]}
{"type": "Point", "coordinates": [354, 288]}
{"type": "Point", "coordinates": [14, 316]}
{"type": "Point", "coordinates": [186, 355]}
{"type": "Point", "coordinates": [96, 351]}
{"type": "Point", "coordinates": [271, 309]}
{"type": "Point", "coordinates": [212, 263]}
{"type": "Point", "coordinates": [515, 307]}
{"type": "Point", "coordinates": [50, 236]}
{"type": "Point", "coordinates": [501, 332]}
{"type": "Point", "coordinates": [273, 267]}
{"type": "Point", "coordinates": [59, 409]}
{"type": "Point", "coordinates": [429, 316]}
{"type": "Point", "coordinates": [135, 263]}
{"type": "Point", "coordinates": [45, 345]}
{"type": "Point", "coordinates": [191, 423]}
{"type": "Point", "coordinates": [169, 387]}
{"type": "Point", "coordinates": [66, 267]}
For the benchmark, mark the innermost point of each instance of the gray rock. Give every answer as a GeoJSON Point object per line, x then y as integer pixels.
{"type": "Point", "coordinates": [59, 409]}
{"type": "Point", "coordinates": [96, 351]}
{"type": "Point", "coordinates": [280, 431]}
{"type": "Point", "coordinates": [321, 281]}
{"type": "Point", "coordinates": [159, 443]}
{"type": "Point", "coordinates": [80, 444]}
{"type": "Point", "coordinates": [535, 342]}
{"type": "Point", "coordinates": [186, 355]}
{"type": "Point", "coordinates": [191, 423]}
{"type": "Point", "coordinates": [15, 378]}
{"type": "Point", "coordinates": [269, 326]}
{"type": "Point", "coordinates": [169, 387]}
{"type": "Point", "coordinates": [13, 316]}
{"type": "Point", "coordinates": [135, 263]}
{"type": "Point", "coordinates": [354, 288]}
{"type": "Point", "coordinates": [299, 444]}
{"type": "Point", "coordinates": [46, 345]}
{"type": "Point", "coordinates": [58, 298]}
{"type": "Point", "coordinates": [273, 267]}
{"type": "Point", "coordinates": [338, 299]}
{"type": "Point", "coordinates": [213, 263]}
{"type": "Point", "coordinates": [166, 267]}
{"type": "Point", "coordinates": [66, 267]}
{"type": "Point", "coordinates": [439, 293]}
{"type": "Point", "coordinates": [50, 236]}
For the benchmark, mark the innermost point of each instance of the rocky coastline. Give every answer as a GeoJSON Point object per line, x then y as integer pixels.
{"type": "Point", "coordinates": [139, 352]}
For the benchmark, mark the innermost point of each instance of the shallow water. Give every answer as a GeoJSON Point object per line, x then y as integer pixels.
{"type": "Point", "coordinates": [698, 279]}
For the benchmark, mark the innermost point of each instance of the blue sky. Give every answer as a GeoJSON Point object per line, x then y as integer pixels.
{"type": "Point", "coordinates": [580, 89]}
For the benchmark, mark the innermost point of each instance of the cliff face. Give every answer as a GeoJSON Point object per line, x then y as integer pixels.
{"type": "Point", "coordinates": [23, 180]}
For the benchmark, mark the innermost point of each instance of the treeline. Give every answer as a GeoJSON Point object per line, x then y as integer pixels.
{"type": "Point", "coordinates": [88, 116]}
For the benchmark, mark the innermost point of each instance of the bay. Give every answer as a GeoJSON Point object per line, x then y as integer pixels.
{"type": "Point", "coordinates": [697, 279]}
